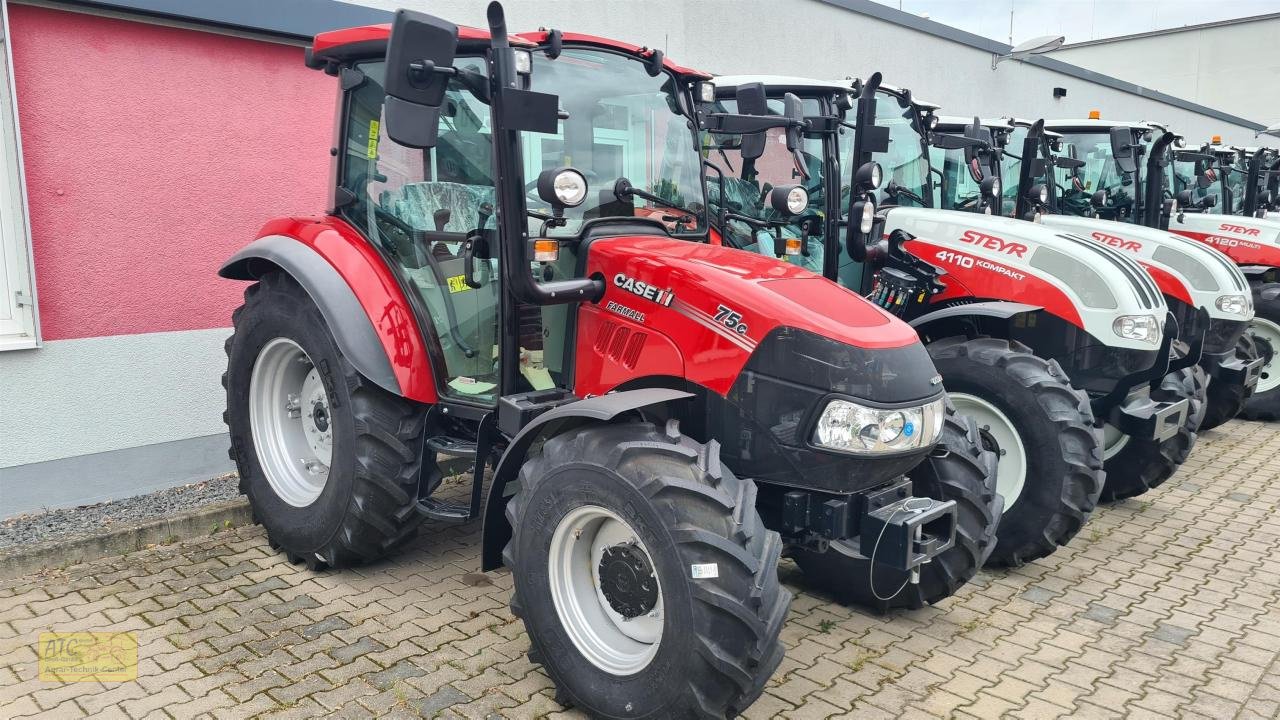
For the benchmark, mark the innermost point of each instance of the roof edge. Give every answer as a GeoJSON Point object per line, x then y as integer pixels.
{"type": "Point", "coordinates": [1172, 31]}
{"type": "Point", "coordinates": [946, 32]}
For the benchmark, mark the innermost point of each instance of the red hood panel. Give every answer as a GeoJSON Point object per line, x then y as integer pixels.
{"type": "Point", "coordinates": [772, 293]}
{"type": "Point", "coordinates": [674, 307]}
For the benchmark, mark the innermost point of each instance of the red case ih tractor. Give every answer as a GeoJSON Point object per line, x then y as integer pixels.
{"type": "Point", "coordinates": [1046, 338]}
{"type": "Point", "coordinates": [1206, 293]}
{"type": "Point", "coordinates": [1128, 176]}
{"type": "Point", "coordinates": [661, 416]}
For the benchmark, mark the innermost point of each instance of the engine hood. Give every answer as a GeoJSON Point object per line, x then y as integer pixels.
{"type": "Point", "coordinates": [717, 305]}
{"type": "Point", "coordinates": [1246, 240]}
{"type": "Point", "coordinates": [1192, 272]}
{"type": "Point", "coordinates": [999, 258]}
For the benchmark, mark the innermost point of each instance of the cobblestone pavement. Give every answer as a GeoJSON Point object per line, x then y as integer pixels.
{"type": "Point", "coordinates": [1164, 606]}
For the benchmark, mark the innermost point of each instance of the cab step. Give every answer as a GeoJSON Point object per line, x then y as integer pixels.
{"type": "Point", "coordinates": [445, 511]}
{"type": "Point", "coordinates": [456, 447]}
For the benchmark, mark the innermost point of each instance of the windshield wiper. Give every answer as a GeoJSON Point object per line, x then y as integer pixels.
{"type": "Point", "coordinates": [624, 190]}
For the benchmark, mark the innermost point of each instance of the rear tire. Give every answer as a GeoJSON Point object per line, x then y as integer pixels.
{"type": "Point", "coordinates": [1264, 404]}
{"type": "Point", "coordinates": [718, 641]}
{"type": "Point", "coordinates": [363, 507]}
{"type": "Point", "coordinates": [958, 469]}
{"type": "Point", "coordinates": [1143, 464]}
{"type": "Point", "coordinates": [1030, 401]}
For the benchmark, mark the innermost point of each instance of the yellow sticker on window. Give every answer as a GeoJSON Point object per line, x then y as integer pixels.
{"type": "Point", "coordinates": [86, 656]}
{"type": "Point", "coordinates": [372, 153]}
{"type": "Point", "coordinates": [458, 283]}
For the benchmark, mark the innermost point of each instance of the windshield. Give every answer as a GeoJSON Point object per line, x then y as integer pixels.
{"type": "Point", "coordinates": [621, 123]}
{"type": "Point", "coordinates": [905, 163]}
{"type": "Point", "coordinates": [746, 186]}
{"type": "Point", "coordinates": [1011, 170]}
{"type": "Point", "coordinates": [1194, 176]}
{"type": "Point", "coordinates": [1075, 187]}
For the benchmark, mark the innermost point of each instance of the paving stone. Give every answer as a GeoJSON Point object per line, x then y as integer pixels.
{"type": "Point", "coordinates": [1163, 607]}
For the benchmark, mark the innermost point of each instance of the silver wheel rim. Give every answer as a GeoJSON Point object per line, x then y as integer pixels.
{"type": "Point", "coordinates": [1011, 473]}
{"type": "Point", "coordinates": [1113, 441]}
{"type": "Point", "coordinates": [290, 422]}
{"type": "Point", "coordinates": [1269, 331]}
{"type": "Point", "coordinates": [611, 642]}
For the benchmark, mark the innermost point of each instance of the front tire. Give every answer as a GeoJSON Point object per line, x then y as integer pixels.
{"type": "Point", "coordinates": [958, 469]}
{"type": "Point", "coordinates": [328, 460]}
{"type": "Point", "coordinates": [625, 521]}
{"type": "Point", "coordinates": [1264, 404]}
{"type": "Point", "coordinates": [1050, 467]}
{"type": "Point", "coordinates": [1135, 465]}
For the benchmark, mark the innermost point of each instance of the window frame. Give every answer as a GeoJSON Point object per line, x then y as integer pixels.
{"type": "Point", "coordinates": [17, 285]}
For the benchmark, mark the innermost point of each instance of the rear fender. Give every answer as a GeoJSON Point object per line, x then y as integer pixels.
{"type": "Point", "coordinates": [993, 319]}
{"type": "Point", "coordinates": [362, 303]}
{"type": "Point", "coordinates": [600, 409]}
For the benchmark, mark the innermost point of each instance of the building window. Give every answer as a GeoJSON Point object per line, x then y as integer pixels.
{"type": "Point", "coordinates": [18, 328]}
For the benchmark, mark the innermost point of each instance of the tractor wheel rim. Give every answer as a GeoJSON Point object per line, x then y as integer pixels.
{"type": "Point", "coordinates": [290, 422]}
{"type": "Point", "coordinates": [1113, 441]}
{"type": "Point", "coordinates": [605, 590]}
{"type": "Point", "coordinates": [1000, 432]}
{"type": "Point", "coordinates": [1268, 332]}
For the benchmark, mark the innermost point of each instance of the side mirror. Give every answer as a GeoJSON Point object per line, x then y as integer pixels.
{"type": "Point", "coordinates": [419, 63]}
{"type": "Point", "coordinates": [1122, 150]}
{"type": "Point", "coordinates": [752, 101]}
{"type": "Point", "coordinates": [793, 109]}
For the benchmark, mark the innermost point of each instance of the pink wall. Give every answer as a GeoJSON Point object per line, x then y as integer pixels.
{"type": "Point", "coordinates": [152, 154]}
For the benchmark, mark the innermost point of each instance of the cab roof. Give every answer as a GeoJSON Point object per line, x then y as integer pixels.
{"type": "Point", "coordinates": [1099, 125]}
{"type": "Point", "coordinates": [782, 82]}
{"type": "Point", "coordinates": [371, 41]}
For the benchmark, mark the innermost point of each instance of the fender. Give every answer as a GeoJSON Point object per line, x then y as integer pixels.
{"type": "Point", "coordinates": [600, 409]}
{"type": "Point", "coordinates": [998, 310]}
{"type": "Point", "coordinates": [357, 294]}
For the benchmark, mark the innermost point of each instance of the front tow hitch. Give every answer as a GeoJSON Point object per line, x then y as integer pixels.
{"type": "Point", "coordinates": [1232, 369]}
{"type": "Point", "coordinates": [887, 525]}
{"type": "Point", "coordinates": [1142, 416]}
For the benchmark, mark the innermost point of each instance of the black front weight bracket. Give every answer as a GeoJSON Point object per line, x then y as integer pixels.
{"type": "Point", "coordinates": [1144, 417]}
{"type": "Point", "coordinates": [905, 533]}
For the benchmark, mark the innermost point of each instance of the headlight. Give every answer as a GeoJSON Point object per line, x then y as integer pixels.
{"type": "Point", "coordinates": [869, 176]}
{"type": "Point", "coordinates": [995, 187]}
{"type": "Point", "coordinates": [789, 199]}
{"type": "Point", "coordinates": [1143, 328]}
{"type": "Point", "coordinates": [1235, 304]}
{"type": "Point", "coordinates": [797, 200]}
{"type": "Point", "coordinates": [570, 187]}
{"type": "Point", "coordinates": [1044, 194]}
{"type": "Point", "coordinates": [849, 427]}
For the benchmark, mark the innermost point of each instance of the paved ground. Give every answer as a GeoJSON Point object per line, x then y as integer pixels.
{"type": "Point", "coordinates": [1163, 607]}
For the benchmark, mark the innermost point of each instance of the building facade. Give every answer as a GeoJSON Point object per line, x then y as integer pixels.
{"type": "Point", "coordinates": [146, 140]}
{"type": "Point", "coordinates": [1230, 65]}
